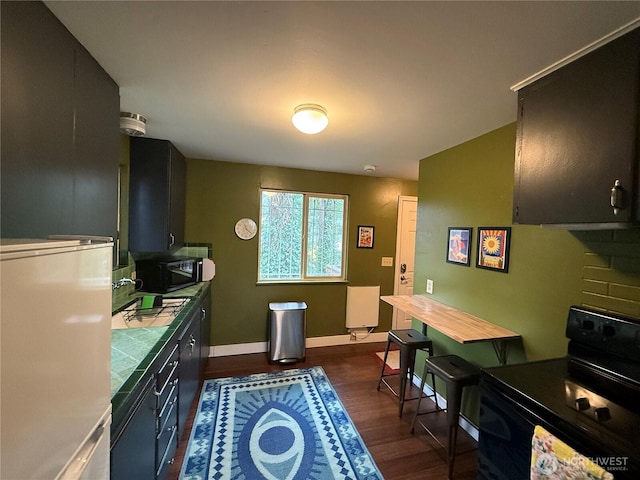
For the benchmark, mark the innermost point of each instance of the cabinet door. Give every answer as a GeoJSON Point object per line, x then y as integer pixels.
{"type": "Point", "coordinates": [189, 368]}
{"type": "Point", "coordinates": [97, 114]}
{"type": "Point", "coordinates": [205, 330]}
{"type": "Point", "coordinates": [133, 456]}
{"type": "Point", "coordinates": [156, 196]}
{"type": "Point", "coordinates": [577, 130]}
{"type": "Point", "coordinates": [178, 186]}
{"type": "Point", "coordinates": [37, 122]}
{"type": "Point", "coordinates": [59, 130]}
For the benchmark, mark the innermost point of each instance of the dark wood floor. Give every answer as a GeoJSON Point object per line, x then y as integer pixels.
{"type": "Point", "coordinates": [353, 371]}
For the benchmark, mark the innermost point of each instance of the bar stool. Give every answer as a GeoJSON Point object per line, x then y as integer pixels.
{"type": "Point", "coordinates": [456, 373]}
{"type": "Point", "coordinates": [408, 341]}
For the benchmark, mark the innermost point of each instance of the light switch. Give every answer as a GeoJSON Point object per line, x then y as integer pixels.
{"type": "Point", "coordinates": [387, 261]}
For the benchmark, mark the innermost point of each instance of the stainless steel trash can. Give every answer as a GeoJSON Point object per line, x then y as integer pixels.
{"type": "Point", "coordinates": [287, 328]}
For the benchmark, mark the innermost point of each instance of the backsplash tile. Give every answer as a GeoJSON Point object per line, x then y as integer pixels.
{"type": "Point", "coordinates": [121, 296]}
{"type": "Point", "coordinates": [201, 250]}
{"type": "Point", "coordinates": [611, 271]}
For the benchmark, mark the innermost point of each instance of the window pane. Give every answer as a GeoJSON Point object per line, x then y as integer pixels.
{"type": "Point", "coordinates": [324, 237]}
{"type": "Point", "coordinates": [281, 236]}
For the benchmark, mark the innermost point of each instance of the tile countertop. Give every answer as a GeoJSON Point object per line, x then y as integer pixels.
{"type": "Point", "coordinates": [134, 350]}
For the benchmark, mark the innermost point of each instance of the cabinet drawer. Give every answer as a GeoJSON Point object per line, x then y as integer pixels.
{"type": "Point", "coordinates": [167, 411]}
{"type": "Point", "coordinates": [166, 446]}
{"type": "Point", "coordinates": [167, 392]}
{"type": "Point", "coordinates": [167, 377]}
{"type": "Point", "coordinates": [166, 432]}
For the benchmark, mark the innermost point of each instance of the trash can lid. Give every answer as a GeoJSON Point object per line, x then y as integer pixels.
{"type": "Point", "coordinates": [288, 306]}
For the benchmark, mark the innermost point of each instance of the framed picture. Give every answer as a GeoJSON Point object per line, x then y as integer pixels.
{"type": "Point", "coordinates": [493, 248]}
{"type": "Point", "coordinates": [365, 236]}
{"type": "Point", "coordinates": [459, 245]}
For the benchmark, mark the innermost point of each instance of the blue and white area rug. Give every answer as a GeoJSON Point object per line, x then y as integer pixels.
{"type": "Point", "coordinates": [289, 425]}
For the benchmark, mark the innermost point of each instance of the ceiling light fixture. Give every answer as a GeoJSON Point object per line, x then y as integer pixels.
{"type": "Point", "coordinates": [132, 124]}
{"type": "Point", "coordinates": [310, 118]}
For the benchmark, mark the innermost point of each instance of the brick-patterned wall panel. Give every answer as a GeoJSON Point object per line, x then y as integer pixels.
{"type": "Point", "coordinates": [611, 271]}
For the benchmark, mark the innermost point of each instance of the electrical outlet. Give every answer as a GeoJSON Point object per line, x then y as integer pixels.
{"type": "Point", "coordinates": [387, 261]}
{"type": "Point", "coordinates": [429, 285]}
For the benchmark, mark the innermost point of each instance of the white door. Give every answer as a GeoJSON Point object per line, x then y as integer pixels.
{"type": "Point", "coordinates": [405, 251]}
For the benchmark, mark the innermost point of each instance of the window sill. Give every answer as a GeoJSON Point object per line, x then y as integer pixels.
{"type": "Point", "coordinates": [300, 282]}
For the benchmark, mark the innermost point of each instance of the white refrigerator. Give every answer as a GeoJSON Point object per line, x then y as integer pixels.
{"type": "Point", "coordinates": [55, 387]}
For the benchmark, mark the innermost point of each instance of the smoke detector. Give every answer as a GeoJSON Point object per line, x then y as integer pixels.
{"type": "Point", "coordinates": [369, 168]}
{"type": "Point", "coordinates": [132, 124]}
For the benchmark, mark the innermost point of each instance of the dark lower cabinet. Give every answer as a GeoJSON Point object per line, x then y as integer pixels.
{"type": "Point", "coordinates": [189, 368]}
{"type": "Point", "coordinates": [133, 455]}
{"type": "Point", "coordinates": [205, 330]}
{"type": "Point", "coordinates": [167, 387]}
{"type": "Point", "coordinates": [144, 448]}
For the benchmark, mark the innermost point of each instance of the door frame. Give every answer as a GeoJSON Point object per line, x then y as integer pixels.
{"type": "Point", "coordinates": [396, 270]}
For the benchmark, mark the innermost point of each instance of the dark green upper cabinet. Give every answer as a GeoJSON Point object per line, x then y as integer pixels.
{"type": "Point", "coordinates": [577, 141]}
{"type": "Point", "coordinates": [60, 130]}
{"type": "Point", "coordinates": [157, 185]}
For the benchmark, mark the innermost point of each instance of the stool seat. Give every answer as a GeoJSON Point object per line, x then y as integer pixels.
{"type": "Point", "coordinates": [408, 341]}
{"type": "Point", "coordinates": [456, 373]}
{"type": "Point", "coordinates": [452, 368]}
{"type": "Point", "coordinates": [411, 338]}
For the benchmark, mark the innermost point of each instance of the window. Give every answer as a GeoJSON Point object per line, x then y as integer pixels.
{"type": "Point", "coordinates": [302, 236]}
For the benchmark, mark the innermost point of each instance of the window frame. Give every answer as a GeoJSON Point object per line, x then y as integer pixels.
{"type": "Point", "coordinates": [304, 278]}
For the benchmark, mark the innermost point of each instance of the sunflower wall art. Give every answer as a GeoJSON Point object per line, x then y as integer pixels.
{"type": "Point", "coordinates": [493, 248]}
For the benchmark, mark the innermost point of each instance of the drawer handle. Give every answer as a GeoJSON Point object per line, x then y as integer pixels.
{"type": "Point", "coordinates": [171, 462]}
{"type": "Point", "coordinates": [171, 428]}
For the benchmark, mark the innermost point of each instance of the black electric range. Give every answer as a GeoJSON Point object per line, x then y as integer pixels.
{"type": "Point", "coordinates": [589, 399]}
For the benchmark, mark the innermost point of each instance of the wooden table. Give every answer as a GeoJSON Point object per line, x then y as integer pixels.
{"type": "Point", "coordinates": [456, 324]}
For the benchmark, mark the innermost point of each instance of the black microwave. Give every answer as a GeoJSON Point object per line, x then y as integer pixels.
{"type": "Point", "coordinates": [162, 275]}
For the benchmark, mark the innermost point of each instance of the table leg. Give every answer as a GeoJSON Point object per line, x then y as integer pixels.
{"type": "Point", "coordinates": [500, 347]}
{"type": "Point", "coordinates": [424, 329]}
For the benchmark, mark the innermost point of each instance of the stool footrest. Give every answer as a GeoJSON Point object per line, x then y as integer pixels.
{"type": "Point", "coordinates": [429, 431]}
{"type": "Point", "coordinates": [390, 387]}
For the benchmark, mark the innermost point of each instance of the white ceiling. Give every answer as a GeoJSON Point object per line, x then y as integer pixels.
{"type": "Point", "coordinates": [400, 80]}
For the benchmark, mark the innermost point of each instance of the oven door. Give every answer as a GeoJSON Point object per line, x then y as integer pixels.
{"type": "Point", "coordinates": [507, 420]}
{"type": "Point", "coordinates": [504, 445]}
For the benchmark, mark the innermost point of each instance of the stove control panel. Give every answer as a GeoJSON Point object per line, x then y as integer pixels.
{"type": "Point", "coordinates": [604, 332]}
{"type": "Point", "coordinates": [597, 411]}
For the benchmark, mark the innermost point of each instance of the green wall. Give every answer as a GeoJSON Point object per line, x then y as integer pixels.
{"type": "Point", "coordinates": [220, 193]}
{"type": "Point", "coordinates": [471, 185]}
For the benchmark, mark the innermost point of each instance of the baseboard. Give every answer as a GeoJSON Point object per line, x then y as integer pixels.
{"type": "Point", "coordinates": [311, 342]}
{"type": "Point", "coordinates": [465, 424]}
{"type": "Point", "coordinates": [346, 339]}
